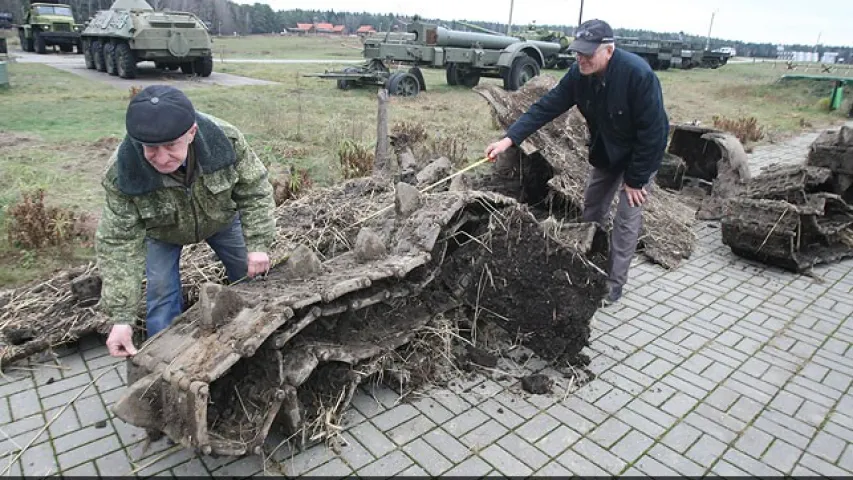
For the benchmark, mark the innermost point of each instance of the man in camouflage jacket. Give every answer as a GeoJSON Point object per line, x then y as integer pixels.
{"type": "Point", "coordinates": [179, 177]}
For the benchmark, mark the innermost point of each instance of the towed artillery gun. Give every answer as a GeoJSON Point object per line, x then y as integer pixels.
{"type": "Point", "coordinates": [466, 57]}
{"type": "Point", "coordinates": [130, 32]}
{"type": "Point", "coordinates": [47, 24]}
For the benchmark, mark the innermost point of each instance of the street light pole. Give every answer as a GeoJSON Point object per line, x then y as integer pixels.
{"type": "Point", "coordinates": [509, 25]}
{"type": "Point", "coordinates": [580, 15]}
{"type": "Point", "coordinates": [708, 40]}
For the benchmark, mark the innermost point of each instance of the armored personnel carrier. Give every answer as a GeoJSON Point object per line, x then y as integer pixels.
{"type": "Point", "coordinates": [116, 40]}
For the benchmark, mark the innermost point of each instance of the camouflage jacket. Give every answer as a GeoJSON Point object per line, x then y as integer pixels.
{"type": "Point", "coordinates": [141, 202]}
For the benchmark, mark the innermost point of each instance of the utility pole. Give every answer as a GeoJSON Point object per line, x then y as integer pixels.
{"type": "Point", "coordinates": [708, 40]}
{"type": "Point", "coordinates": [580, 15]}
{"type": "Point", "coordinates": [509, 26]}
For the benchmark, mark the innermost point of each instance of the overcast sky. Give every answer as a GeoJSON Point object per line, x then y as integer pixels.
{"type": "Point", "coordinates": [775, 21]}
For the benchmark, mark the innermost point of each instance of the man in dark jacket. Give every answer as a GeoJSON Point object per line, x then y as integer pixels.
{"type": "Point", "coordinates": [620, 97]}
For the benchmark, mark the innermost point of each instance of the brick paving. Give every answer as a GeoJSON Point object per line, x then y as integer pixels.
{"type": "Point", "coordinates": [722, 366]}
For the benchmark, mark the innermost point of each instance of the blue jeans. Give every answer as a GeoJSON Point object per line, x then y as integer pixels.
{"type": "Point", "coordinates": [164, 300]}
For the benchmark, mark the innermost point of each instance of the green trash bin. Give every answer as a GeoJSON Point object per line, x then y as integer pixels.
{"type": "Point", "coordinates": [4, 75]}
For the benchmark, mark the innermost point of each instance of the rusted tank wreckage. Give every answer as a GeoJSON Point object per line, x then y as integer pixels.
{"type": "Point", "coordinates": [797, 216]}
{"type": "Point", "coordinates": [355, 295]}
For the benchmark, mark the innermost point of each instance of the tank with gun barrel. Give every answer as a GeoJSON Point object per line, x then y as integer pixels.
{"type": "Point", "coordinates": [131, 31]}
{"type": "Point", "coordinates": [465, 56]}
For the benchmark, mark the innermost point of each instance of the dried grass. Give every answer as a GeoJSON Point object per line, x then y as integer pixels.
{"type": "Point", "coordinates": [746, 129]}
{"type": "Point", "coordinates": [356, 159]}
{"type": "Point", "coordinates": [32, 224]}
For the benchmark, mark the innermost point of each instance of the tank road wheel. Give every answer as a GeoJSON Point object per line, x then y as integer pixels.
{"type": "Point", "coordinates": [403, 84]}
{"type": "Point", "coordinates": [87, 54]}
{"type": "Point", "coordinates": [125, 61]}
{"type": "Point", "coordinates": [110, 58]}
{"type": "Point", "coordinates": [41, 46]}
{"type": "Point", "coordinates": [203, 66]}
{"type": "Point", "coordinates": [98, 55]}
{"type": "Point", "coordinates": [523, 69]}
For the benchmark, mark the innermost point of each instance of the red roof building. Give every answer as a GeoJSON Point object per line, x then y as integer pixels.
{"type": "Point", "coordinates": [365, 29]}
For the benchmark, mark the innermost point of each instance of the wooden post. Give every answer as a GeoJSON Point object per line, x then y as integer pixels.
{"type": "Point", "coordinates": [381, 160]}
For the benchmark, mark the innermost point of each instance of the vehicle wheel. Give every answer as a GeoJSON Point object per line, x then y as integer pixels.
{"type": "Point", "coordinates": [87, 54]}
{"type": "Point", "coordinates": [98, 55]}
{"type": "Point", "coordinates": [41, 46]}
{"type": "Point", "coordinates": [523, 69]}
{"type": "Point", "coordinates": [80, 47]}
{"type": "Point", "coordinates": [457, 75]}
{"type": "Point", "coordinates": [23, 40]}
{"type": "Point", "coordinates": [110, 58]}
{"type": "Point", "coordinates": [66, 48]}
{"type": "Point", "coordinates": [452, 74]}
{"type": "Point", "coordinates": [187, 68]}
{"type": "Point", "coordinates": [403, 84]}
{"type": "Point", "coordinates": [416, 71]}
{"type": "Point", "coordinates": [203, 66]}
{"type": "Point", "coordinates": [125, 61]}
{"type": "Point", "coordinates": [344, 84]}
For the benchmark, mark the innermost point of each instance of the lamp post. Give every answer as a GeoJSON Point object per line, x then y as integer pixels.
{"type": "Point", "coordinates": [509, 25]}
{"type": "Point", "coordinates": [708, 40]}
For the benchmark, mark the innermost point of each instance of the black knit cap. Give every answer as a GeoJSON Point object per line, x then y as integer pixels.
{"type": "Point", "coordinates": [159, 114]}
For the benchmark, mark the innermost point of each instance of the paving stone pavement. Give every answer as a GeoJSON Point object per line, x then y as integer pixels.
{"type": "Point", "coordinates": [722, 366]}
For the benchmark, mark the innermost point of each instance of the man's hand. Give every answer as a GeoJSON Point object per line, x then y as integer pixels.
{"type": "Point", "coordinates": [636, 196]}
{"type": "Point", "coordinates": [495, 149]}
{"type": "Point", "coordinates": [120, 341]}
{"type": "Point", "coordinates": [259, 263]}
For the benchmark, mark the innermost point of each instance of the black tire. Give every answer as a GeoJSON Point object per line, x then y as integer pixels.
{"type": "Point", "coordinates": [87, 54]}
{"type": "Point", "coordinates": [203, 66]}
{"type": "Point", "coordinates": [452, 74]}
{"type": "Point", "coordinates": [187, 68]}
{"type": "Point", "coordinates": [65, 48]}
{"type": "Point", "coordinates": [523, 69]}
{"type": "Point", "coordinates": [125, 61]}
{"type": "Point", "coordinates": [344, 84]}
{"type": "Point", "coordinates": [98, 55]}
{"type": "Point", "coordinates": [403, 84]}
{"type": "Point", "coordinates": [41, 46]}
{"type": "Point", "coordinates": [457, 75]}
{"type": "Point", "coordinates": [80, 46]}
{"type": "Point", "coordinates": [416, 71]}
{"type": "Point", "coordinates": [110, 59]}
{"type": "Point", "coordinates": [24, 41]}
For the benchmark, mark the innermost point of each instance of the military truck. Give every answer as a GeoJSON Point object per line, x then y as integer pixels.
{"type": "Point", "coordinates": [47, 24]}
{"type": "Point", "coordinates": [131, 31]}
{"type": "Point", "coordinates": [6, 20]}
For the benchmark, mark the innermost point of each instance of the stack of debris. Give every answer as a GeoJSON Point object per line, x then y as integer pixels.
{"type": "Point", "coordinates": [797, 216]}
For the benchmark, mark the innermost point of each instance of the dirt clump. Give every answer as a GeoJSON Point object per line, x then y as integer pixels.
{"type": "Point", "coordinates": [537, 384]}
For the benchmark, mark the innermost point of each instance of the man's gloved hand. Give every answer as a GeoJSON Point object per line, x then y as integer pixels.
{"type": "Point", "coordinates": [259, 263]}
{"type": "Point", "coordinates": [495, 149]}
{"type": "Point", "coordinates": [120, 341]}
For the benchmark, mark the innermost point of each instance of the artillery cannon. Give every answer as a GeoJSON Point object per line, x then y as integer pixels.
{"type": "Point", "coordinates": [466, 57]}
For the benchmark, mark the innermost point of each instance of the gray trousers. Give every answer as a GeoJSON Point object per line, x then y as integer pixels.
{"type": "Point", "coordinates": [601, 187]}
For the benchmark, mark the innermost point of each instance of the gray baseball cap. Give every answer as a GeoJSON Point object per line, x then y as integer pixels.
{"type": "Point", "coordinates": [589, 35]}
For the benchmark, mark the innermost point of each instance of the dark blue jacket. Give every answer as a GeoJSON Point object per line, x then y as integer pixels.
{"type": "Point", "coordinates": [624, 110]}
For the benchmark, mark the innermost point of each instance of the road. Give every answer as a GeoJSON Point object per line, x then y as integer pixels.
{"type": "Point", "coordinates": [72, 58]}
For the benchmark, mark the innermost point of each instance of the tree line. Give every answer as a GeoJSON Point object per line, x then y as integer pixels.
{"type": "Point", "coordinates": [224, 17]}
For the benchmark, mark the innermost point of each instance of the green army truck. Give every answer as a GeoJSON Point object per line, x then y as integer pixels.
{"type": "Point", "coordinates": [47, 24]}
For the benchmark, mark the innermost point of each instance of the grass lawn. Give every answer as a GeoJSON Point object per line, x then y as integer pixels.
{"type": "Point", "coordinates": [57, 130]}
